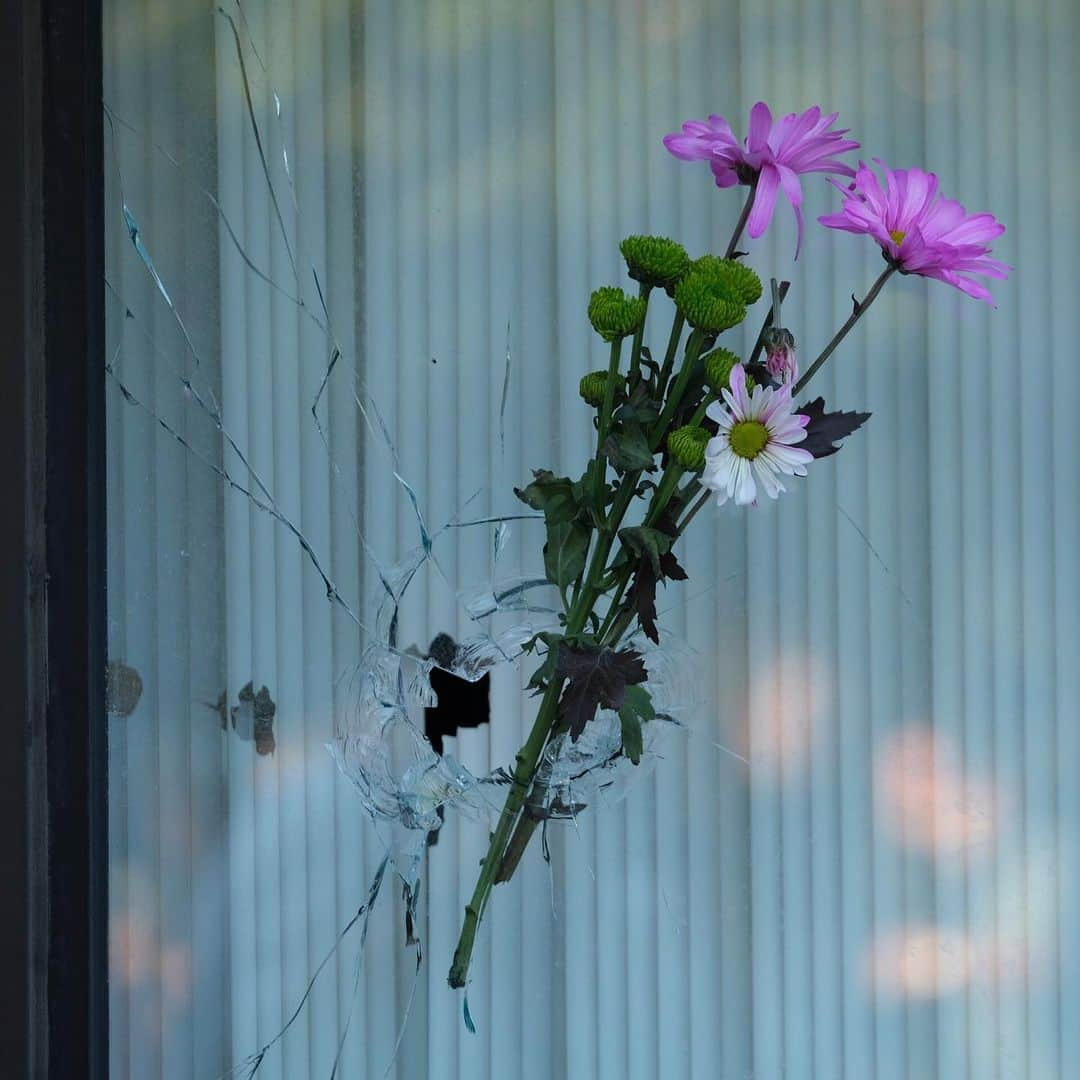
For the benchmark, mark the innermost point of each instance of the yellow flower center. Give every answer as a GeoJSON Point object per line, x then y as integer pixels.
{"type": "Point", "coordinates": [897, 236]}
{"type": "Point", "coordinates": [748, 438]}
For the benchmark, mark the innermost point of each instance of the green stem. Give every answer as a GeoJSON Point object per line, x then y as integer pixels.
{"type": "Point", "coordinates": [759, 344]}
{"type": "Point", "coordinates": [603, 424]}
{"type": "Point", "coordinates": [840, 334]}
{"type": "Point", "coordinates": [744, 216]}
{"type": "Point", "coordinates": [527, 758]}
{"type": "Point", "coordinates": [669, 356]}
{"type": "Point", "coordinates": [705, 496]}
{"type": "Point", "coordinates": [693, 348]}
{"type": "Point", "coordinates": [635, 348]}
{"type": "Point", "coordinates": [699, 413]}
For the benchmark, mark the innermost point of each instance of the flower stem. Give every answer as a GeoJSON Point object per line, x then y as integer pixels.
{"type": "Point", "coordinates": [759, 344]}
{"type": "Point", "coordinates": [699, 413]}
{"type": "Point", "coordinates": [741, 223]}
{"type": "Point", "coordinates": [669, 356]}
{"type": "Point", "coordinates": [692, 513]}
{"type": "Point", "coordinates": [527, 758]}
{"type": "Point", "coordinates": [840, 334]}
{"type": "Point", "coordinates": [603, 424]}
{"type": "Point", "coordinates": [635, 349]}
{"type": "Point", "coordinates": [693, 348]}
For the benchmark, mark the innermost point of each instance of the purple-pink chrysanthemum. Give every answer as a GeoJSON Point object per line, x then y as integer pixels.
{"type": "Point", "coordinates": [919, 230]}
{"type": "Point", "coordinates": [775, 153]}
{"type": "Point", "coordinates": [756, 442]}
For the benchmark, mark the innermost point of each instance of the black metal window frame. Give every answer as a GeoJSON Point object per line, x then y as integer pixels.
{"type": "Point", "coordinates": [53, 903]}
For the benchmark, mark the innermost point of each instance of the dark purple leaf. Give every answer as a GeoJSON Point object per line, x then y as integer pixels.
{"type": "Point", "coordinates": [595, 677]}
{"type": "Point", "coordinates": [826, 429]}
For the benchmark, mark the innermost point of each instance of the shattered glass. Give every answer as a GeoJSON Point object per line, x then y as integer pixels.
{"type": "Point", "coordinates": [162, 367]}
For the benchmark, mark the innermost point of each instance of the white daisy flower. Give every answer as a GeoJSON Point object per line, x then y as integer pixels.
{"type": "Point", "coordinates": [756, 442]}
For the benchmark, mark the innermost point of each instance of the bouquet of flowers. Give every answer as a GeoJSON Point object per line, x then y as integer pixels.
{"type": "Point", "coordinates": [697, 422]}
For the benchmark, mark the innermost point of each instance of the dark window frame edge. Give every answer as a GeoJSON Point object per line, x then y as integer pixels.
{"type": "Point", "coordinates": [53, 543]}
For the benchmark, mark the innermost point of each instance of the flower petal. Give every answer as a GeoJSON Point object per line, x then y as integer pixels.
{"type": "Point", "coordinates": [764, 201]}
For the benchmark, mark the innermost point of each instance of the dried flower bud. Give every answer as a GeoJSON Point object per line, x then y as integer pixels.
{"type": "Point", "coordinates": [708, 303]}
{"type": "Point", "coordinates": [593, 386]}
{"type": "Point", "coordinates": [743, 284]}
{"type": "Point", "coordinates": [655, 260]}
{"type": "Point", "coordinates": [780, 359]}
{"type": "Point", "coordinates": [615, 315]}
{"type": "Point", "coordinates": [687, 446]}
{"type": "Point", "coordinates": [718, 365]}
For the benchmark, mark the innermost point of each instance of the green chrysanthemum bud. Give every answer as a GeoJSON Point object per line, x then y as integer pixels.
{"type": "Point", "coordinates": [655, 260]}
{"type": "Point", "coordinates": [707, 303]}
{"type": "Point", "coordinates": [741, 282]}
{"type": "Point", "coordinates": [718, 365]}
{"type": "Point", "coordinates": [593, 386]}
{"type": "Point", "coordinates": [687, 446]}
{"type": "Point", "coordinates": [613, 314]}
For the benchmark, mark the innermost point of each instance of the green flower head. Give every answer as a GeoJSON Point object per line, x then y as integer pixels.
{"type": "Point", "coordinates": [593, 386]}
{"type": "Point", "coordinates": [655, 260]}
{"type": "Point", "coordinates": [687, 446]}
{"type": "Point", "coordinates": [708, 303]}
{"type": "Point", "coordinates": [740, 281]}
{"type": "Point", "coordinates": [718, 365]}
{"type": "Point", "coordinates": [615, 315]}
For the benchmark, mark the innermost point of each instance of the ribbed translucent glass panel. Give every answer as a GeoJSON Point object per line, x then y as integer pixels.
{"type": "Point", "coordinates": [350, 250]}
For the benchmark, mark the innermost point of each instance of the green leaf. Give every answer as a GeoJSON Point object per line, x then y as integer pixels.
{"type": "Point", "coordinates": [565, 551]}
{"type": "Point", "coordinates": [584, 490]}
{"type": "Point", "coordinates": [637, 700]}
{"type": "Point", "coordinates": [551, 494]}
{"type": "Point", "coordinates": [628, 449]}
{"type": "Point", "coordinates": [546, 671]}
{"type": "Point", "coordinates": [632, 743]}
{"type": "Point", "coordinates": [647, 543]}
{"type": "Point", "coordinates": [637, 709]}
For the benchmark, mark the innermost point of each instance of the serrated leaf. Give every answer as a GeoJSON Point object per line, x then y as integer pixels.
{"type": "Point", "coordinates": [647, 543]}
{"type": "Point", "coordinates": [642, 593]}
{"type": "Point", "coordinates": [551, 494]}
{"type": "Point", "coordinates": [595, 677]}
{"type": "Point", "coordinates": [565, 551]}
{"type": "Point", "coordinates": [628, 449]}
{"type": "Point", "coordinates": [825, 429]}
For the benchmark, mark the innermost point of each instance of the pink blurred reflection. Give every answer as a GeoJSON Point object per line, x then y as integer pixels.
{"type": "Point", "coordinates": [789, 709]}
{"type": "Point", "coordinates": [930, 804]}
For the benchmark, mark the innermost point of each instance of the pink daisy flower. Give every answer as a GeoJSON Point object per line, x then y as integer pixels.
{"type": "Point", "coordinates": [756, 442]}
{"type": "Point", "coordinates": [919, 230]}
{"type": "Point", "coordinates": [775, 153]}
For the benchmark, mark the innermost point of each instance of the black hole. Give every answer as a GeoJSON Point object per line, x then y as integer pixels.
{"type": "Point", "coordinates": [462, 704]}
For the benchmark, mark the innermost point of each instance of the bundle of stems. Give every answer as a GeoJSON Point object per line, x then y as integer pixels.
{"type": "Point", "coordinates": [608, 575]}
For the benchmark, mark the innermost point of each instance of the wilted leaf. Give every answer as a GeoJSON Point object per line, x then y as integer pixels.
{"type": "Point", "coordinates": [628, 449]}
{"type": "Point", "coordinates": [595, 677]}
{"type": "Point", "coordinates": [551, 494]}
{"type": "Point", "coordinates": [825, 429]}
{"type": "Point", "coordinates": [647, 543]}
